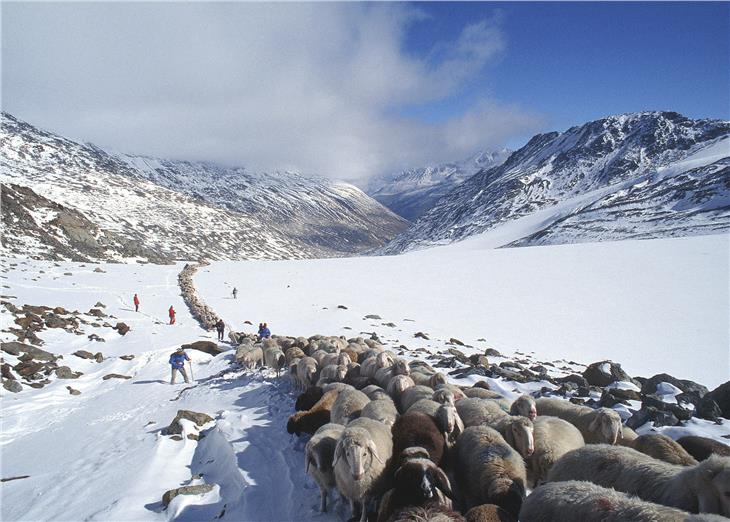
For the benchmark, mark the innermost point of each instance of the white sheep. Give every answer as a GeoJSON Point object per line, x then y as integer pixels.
{"type": "Point", "coordinates": [455, 390]}
{"type": "Point", "coordinates": [306, 372]}
{"type": "Point", "coordinates": [577, 501]}
{"type": "Point", "coordinates": [361, 459]}
{"type": "Point", "coordinates": [524, 405]}
{"type": "Point", "coordinates": [384, 375]}
{"type": "Point", "coordinates": [274, 358]}
{"type": "Point", "coordinates": [377, 361]}
{"type": "Point", "coordinates": [319, 455]}
{"type": "Point", "coordinates": [348, 406]}
{"type": "Point", "coordinates": [413, 395]}
{"type": "Point", "coordinates": [446, 416]}
{"type": "Point", "coordinates": [382, 410]}
{"type": "Point", "coordinates": [478, 412]}
{"type": "Point", "coordinates": [398, 384]}
{"type": "Point", "coordinates": [703, 488]}
{"type": "Point", "coordinates": [489, 470]}
{"type": "Point", "coordinates": [332, 373]}
{"type": "Point", "coordinates": [250, 356]}
{"type": "Point", "coordinates": [554, 437]}
{"type": "Point", "coordinates": [597, 426]}
{"type": "Point", "coordinates": [374, 392]}
{"type": "Point", "coordinates": [518, 431]}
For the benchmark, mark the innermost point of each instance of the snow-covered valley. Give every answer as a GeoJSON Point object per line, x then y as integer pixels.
{"type": "Point", "coordinates": [653, 306]}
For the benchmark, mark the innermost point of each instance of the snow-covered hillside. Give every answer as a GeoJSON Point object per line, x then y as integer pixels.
{"type": "Point", "coordinates": [414, 191]}
{"type": "Point", "coordinates": [639, 175]}
{"type": "Point", "coordinates": [67, 200]}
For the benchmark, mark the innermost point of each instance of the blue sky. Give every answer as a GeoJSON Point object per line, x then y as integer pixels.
{"type": "Point", "coordinates": [574, 62]}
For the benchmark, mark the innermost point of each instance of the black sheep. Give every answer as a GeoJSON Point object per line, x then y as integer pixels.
{"type": "Point", "coordinates": [418, 429]}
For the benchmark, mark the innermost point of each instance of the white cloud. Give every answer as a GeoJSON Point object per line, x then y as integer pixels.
{"type": "Point", "coordinates": [311, 87]}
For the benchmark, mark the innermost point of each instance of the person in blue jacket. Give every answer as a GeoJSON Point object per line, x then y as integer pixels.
{"type": "Point", "coordinates": [177, 361]}
{"type": "Point", "coordinates": [264, 332]}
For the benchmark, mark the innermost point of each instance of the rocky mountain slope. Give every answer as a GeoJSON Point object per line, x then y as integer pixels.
{"type": "Point", "coordinates": [638, 175]}
{"type": "Point", "coordinates": [67, 200]}
{"type": "Point", "coordinates": [412, 192]}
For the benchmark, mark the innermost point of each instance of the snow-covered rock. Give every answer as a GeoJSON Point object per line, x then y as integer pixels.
{"type": "Point", "coordinates": [632, 176]}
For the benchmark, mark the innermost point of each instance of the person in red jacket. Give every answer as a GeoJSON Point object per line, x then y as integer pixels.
{"type": "Point", "coordinates": [136, 303]}
{"type": "Point", "coordinates": [171, 312]}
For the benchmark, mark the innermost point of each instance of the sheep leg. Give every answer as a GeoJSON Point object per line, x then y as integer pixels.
{"type": "Point", "coordinates": [364, 512]}
{"type": "Point", "coordinates": [323, 500]}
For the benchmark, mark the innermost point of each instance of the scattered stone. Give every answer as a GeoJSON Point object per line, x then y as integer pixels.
{"type": "Point", "coordinates": [64, 372]}
{"type": "Point", "coordinates": [200, 489]}
{"type": "Point", "coordinates": [721, 395]}
{"type": "Point", "coordinates": [73, 391]}
{"type": "Point", "coordinates": [83, 354]}
{"type": "Point", "coordinates": [491, 352]}
{"type": "Point", "coordinates": [455, 341]}
{"type": "Point", "coordinates": [99, 304]}
{"type": "Point", "coordinates": [96, 312]}
{"type": "Point", "coordinates": [13, 348]}
{"type": "Point", "coordinates": [603, 373]}
{"type": "Point", "coordinates": [28, 369]}
{"type": "Point", "coordinates": [99, 270]}
{"type": "Point", "coordinates": [579, 380]}
{"type": "Point", "coordinates": [650, 385]}
{"type": "Point", "coordinates": [463, 359]}
{"type": "Point", "coordinates": [208, 347]}
{"type": "Point", "coordinates": [12, 385]}
{"type": "Point", "coordinates": [372, 316]}
{"type": "Point", "coordinates": [421, 335]}
{"type": "Point", "coordinates": [652, 401]}
{"type": "Point", "coordinates": [389, 325]}
{"type": "Point", "coordinates": [193, 436]}
{"type": "Point", "coordinates": [176, 437]}
{"type": "Point", "coordinates": [479, 360]}
{"type": "Point", "coordinates": [122, 328]}
{"type": "Point", "coordinates": [99, 357]}
{"type": "Point", "coordinates": [342, 307]}
{"type": "Point", "coordinates": [8, 479]}
{"type": "Point", "coordinates": [94, 337]}
{"type": "Point", "coordinates": [175, 428]}
{"type": "Point", "coordinates": [60, 310]}
{"type": "Point", "coordinates": [126, 357]}
{"type": "Point", "coordinates": [115, 376]}
{"type": "Point", "coordinates": [6, 373]}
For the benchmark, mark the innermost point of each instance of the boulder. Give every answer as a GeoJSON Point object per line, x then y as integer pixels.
{"type": "Point", "coordinates": [13, 347]}
{"type": "Point", "coordinates": [126, 357]}
{"type": "Point", "coordinates": [200, 489]}
{"type": "Point", "coordinates": [603, 373]}
{"type": "Point", "coordinates": [115, 376]}
{"type": "Point", "coordinates": [459, 356]}
{"type": "Point", "coordinates": [491, 352]}
{"type": "Point", "coordinates": [98, 357]}
{"type": "Point", "coordinates": [650, 385]}
{"type": "Point", "coordinates": [455, 341]}
{"type": "Point", "coordinates": [83, 354]}
{"type": "Point", "coordinates": [28, 369]}
{"type": "Point", "coordinates": [576, 379]}
{"type": "Point", "coordinates": [64, 372]}
{"type": "Point", "coordinates": [56, 321]}
{"type": "Point", "coordinates": [721, 395]}
{"type": "Point", "coordinates": [652, 401]}
{"type": "Point", "coordinates": [73, 391]}
{"type": "Point", "coordinates": [96, 312]}
{"type": "Point", "coordinates": [208, 347]}
{"type": "Point", "coordinates": [479, 360]}
{"type": "Point", "coordinates": [175, 428]}
{"type": "Point", "coordinates": [122, 328]}
{"type": "Point", "coordinates": [12, 385]}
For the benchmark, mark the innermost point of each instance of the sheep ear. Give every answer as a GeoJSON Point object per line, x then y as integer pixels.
{"type": "Point", "coordinates": [443, 482]}
{"type": "Point", "coordinates": [374, 451]}
{"type": "Point", "coordinates": [338, 454]}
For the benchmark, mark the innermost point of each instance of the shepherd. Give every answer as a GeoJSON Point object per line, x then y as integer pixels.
{"type": "Point", "coordinates": [235, 292]}
{"type": "Point", "coordinates": [171, 313]}
{"type": "Point", "coordinates": [221, 327]}
{"type": "Point", "coordinates": [136, 303]}
{"type": "Point", "coordinates": [177, 361]}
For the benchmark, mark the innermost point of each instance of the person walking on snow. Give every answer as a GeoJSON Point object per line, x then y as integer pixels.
{"type": "Point", "coordinates": [221, 327]}
{"type": "Point", "coordinates": [136, 303]}
{"type": "Point", "coordinates": [235, 292]}
{"type": "Point", "coordinates": [171, 313]}
{"type": "Point", "coordinates": [177, 361]}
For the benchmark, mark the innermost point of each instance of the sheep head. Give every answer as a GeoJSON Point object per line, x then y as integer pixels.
{"type": "Point", "coordinates": [358, 450]}
{"type": "Point", "coordinates": [444, 396]}
{"type": "Point", "coordinates": [520, 435]}
{"type": "Point", "coordinates": [607, 423]}
{"type": "Point", "coordinates": [524, 405]}
{"type": "Point", "coordinates": [401, 367]}
{"type": "Point", "coordinates": [401, 383]}
{"type": "Point", "coordinates": [420, 478]}
{"type": "Point", "coordinates": [436, 379]}
{"type": "Point", "coordinates": [383, 360]}
{"type": "Point", "coordinates": [713, 486]}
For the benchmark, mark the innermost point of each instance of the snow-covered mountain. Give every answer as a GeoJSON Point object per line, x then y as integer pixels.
{"type": "Point", "coordinates": [412, 192]}
{"type": "Point", "coordinates": [637, 175]}
{"type": "Point", "coordinates": [67, 200]}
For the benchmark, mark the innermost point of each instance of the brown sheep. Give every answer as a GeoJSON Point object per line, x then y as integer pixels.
{"type": "Point", "coordinates": [663, 448]}
{"type": "Point", "coordinates": [702, 448]}
{"type": "Point", "coordinates": [426, 514]}
{"type": "Point", "coordinates": [488, 513]}
{"type": "Point", "coordinates": [418, 429]}
{"type": "Point", "coordinates": [317, 416]}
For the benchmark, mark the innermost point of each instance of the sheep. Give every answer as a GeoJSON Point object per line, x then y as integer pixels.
{"type": "Point", "coordinates": [489, 470]}
{"type": "Point", "coordinates": [339, 386]}
{"type": "Point", "coordinates": [596, 426]}
{"type": "Point", "coordinates": [308, 398]}
{"type": "Point", "coordinates": [554, 437]}
{"type": "Point", "coordinates": [477, 412]}
{"type": "Point", "coordinates": [443, 396]}
{"type": "Point", "coordinates": [703, 488]}
{"type": "Point", "coordinates": [375, 392]}
{"type": "Point", "coordinates": [319, 356]}
{"type": "Point", "coordinates": [458, 392]}
{"type": "Point", "coordinates": [702, 447]}
{"type": "Point", "coordinates": [274, 358]}
{"type": "Point", "coordinates": [426, 514]}
{"type": "Point", "coordinates": [332, 373]}
{"type": "Point", "coordinates": [384, 375]}
{"type": "Point", "coordinates": [577, 501]}
{"type": "Point", "coordinates": [627, 436]}
{"type": "Point", "coordinates": [518, 431]}
{"type": "Point", "coordinates": [418, 482]}
{"type": "Point", "coordinates": [293, 353]}
{"type": "Point", "coordinates": [348, 406]}
{"type": "Point", "coordinates": [250, 356]}
{"type": "Point", "coordinates": [418, 429]}
{"type": "Point", "coordinates": [663, 448]}
{"type": "Point", "coordinates": [488, 513]}
{"type": "Point", "coordinates": [482, 393]}
{"type": "Point", "coordinates": [524, 405]}
{"type": "Point", "coordinates": [446, 417]}
{"type": "Point", "coordinates": [312, 419]}
{"type": "Point", "coordinates": [371, 365]}
{"type": "Point", "coordinates": [306, 372]}
{"type": "Point", "coordinates": [398, 385]}
{"type": "Point", "coordinates": [413, 395]}
{"type": "Point", "coordinates": [319, 455]}
{"type": "Point", "coordinates": [382, 410]}
{"type": "Point", "coordinates": [336, 358]}
{"type": "Point", "coordinates": [362, 456]}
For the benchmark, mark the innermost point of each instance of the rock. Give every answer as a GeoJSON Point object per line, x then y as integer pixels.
{"type": "Point", "coordinates": [176, 437]}
{"type": "Point", "coordinates": [99, 270]}
{"type": "Point", "coordinates": [608, 400]}
{"type": "Point", "coordinates": [650, 385]}
{"type": "Point", "coordinates": [479, 360]}
{"type": "Point", "coordinates": [455, 341]}
{"type": "Point", "coordinates": [373, 316]}
{"type": "Point", "coordinates": [122, 328]}
{"type": "Point", "coordinates": [638, 419]}
{"type": "Point", "coordinates": [72, 391]}
{"type": "Point", "coordinates": [99, 357]}
{"type": "Point", "coordinates": [96, 312]}
{"type": "Point", "coordinates": [462, 373]}
{"type": "Point", "coordinates": [200, 489]}
{"type": "Point", "coordinates": [12, 385]}
{"type": "Point", "coordinates": [175, 428]}
{"type": "Point", "coordinates": [342, 307]}
{"type": "Point", "coordinates": [126, 357]}
{"type": "Point", "coordinates": [421, 335]}
{"type": "Point", "coordinates": [509, 374]}
{"type": "Point", "coordinates": [624, 395]}
{"type": "Point", "coordinates": [208, 347]}
{"type": "Point", "coordinates": [99, 304]}
{"type": "Point", "coordinates": [28, 369]}
{"type": "Point", "coordinates": [115, 376]}
{"type": "Point", "coordinates": [708, 409]}
{"type": "Point", "coordinates": [36, 384]}
{"type": "Point", "coordinates": [13, 347]}
{"type": "Point", "coordinates": [583, 391]}
{"type": "Point", "coordinates": [463, 359]}
{"type": "Point", "coordinates": [60, 310]}
{"type": "Point", "coordinates": [36, 310]}
{"type": "Point", "coordinates": [655, 402]}
{"type": "Point", "coordinates": [64, 372]}
{"type": "Point", "coordinates": [94, 337]}
{"type": "Point", "coordinates": [491, 352]}
{"type": "Point", "coordinates": [16, 348]}
{"type": "Point", "coordinates": [390, 325]}
{"type": "Point", "coordinates": [56, 321]}
{"type": "Point", "coordinates": [576, 379]}
{"type": "Point", "coordinates": [193, 436]}
{"type": "Point", "coordinates": [83, 354]}
{"type": "Point", "coordinates": [6, 373]}
{"type": "Point", "coordinates": [721, 395]}
{"type": "Point", "coordinates": [603, 373]}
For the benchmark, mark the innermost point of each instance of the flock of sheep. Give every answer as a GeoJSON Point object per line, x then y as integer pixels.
{"type": "Point", "coordinates": [394, 437]}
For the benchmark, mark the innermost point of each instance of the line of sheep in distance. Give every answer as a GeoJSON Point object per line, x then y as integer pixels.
{"type": "Point", "coordinates": [400, 443]}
